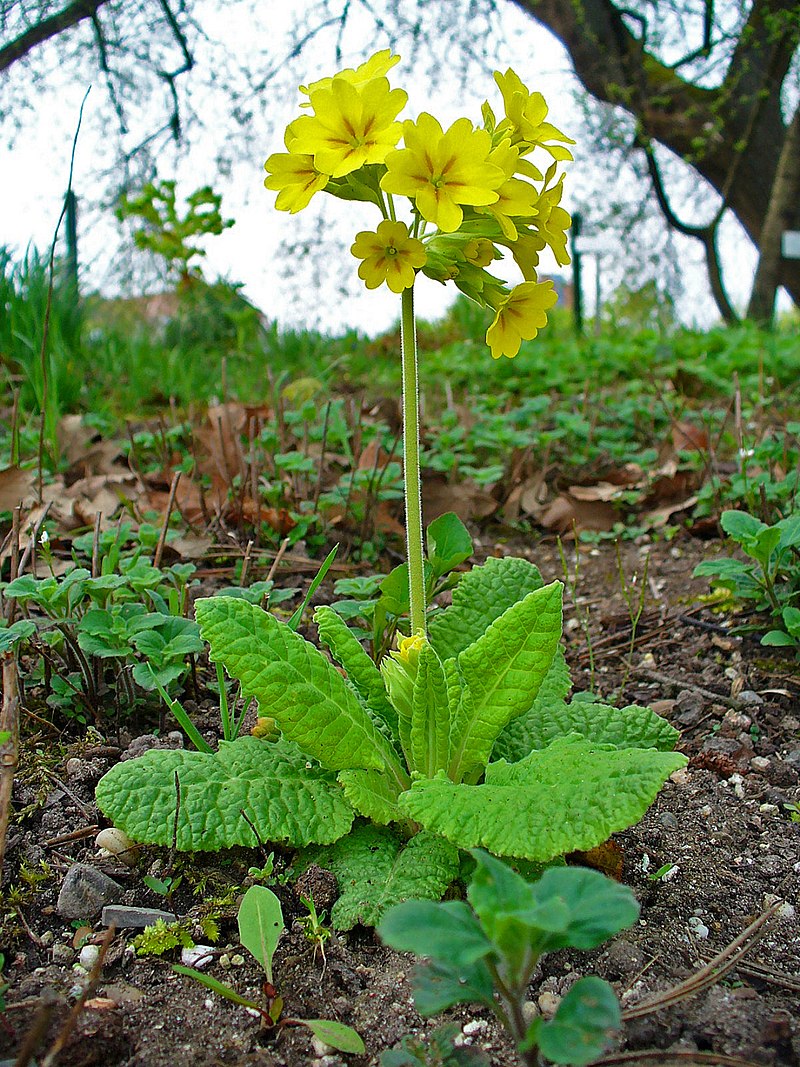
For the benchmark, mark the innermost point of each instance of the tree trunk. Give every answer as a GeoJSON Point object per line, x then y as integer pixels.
{"type": "Point", "coordinates": [739, 124]}
{"type": "Point", "coordinates": [783, 200]}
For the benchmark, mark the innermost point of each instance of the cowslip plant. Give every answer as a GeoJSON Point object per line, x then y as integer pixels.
{"type": "Point", "coordinates": [461, 736]}
{"type": "Point", "coordinates": [261, 924]}
{"type": "Point", "coordinates": [486, 951]}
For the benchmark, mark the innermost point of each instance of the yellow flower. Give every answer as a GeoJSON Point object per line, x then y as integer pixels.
{"type": "Point", "coordinates": [377, 66]}
{"type": "Point", "coordinates": [297, 179]}
{"type": "Point", "coordinates": [525, 115]}
{"type": "Point", "coordinates": [442, 171]}
{"type": "Point", "coordinates": [389, 255]}
{"type": "Point", "coordinates": [350, 126]}
{"type": "Point", "coordinates": [410, 647]}
{"type": "Point", "coordinates": [515, 198]}
{"type": "Point", "coordinates": [519, 317]}
{"type": "Point", "coordinates": [553, 222]}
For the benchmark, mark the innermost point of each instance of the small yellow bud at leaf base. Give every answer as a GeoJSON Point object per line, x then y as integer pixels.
{"type": "Point", "coordinates": [265, 728]}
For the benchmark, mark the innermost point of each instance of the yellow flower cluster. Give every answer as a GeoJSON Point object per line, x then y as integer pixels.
{"type": "Point", "coordinates": [473, 191]}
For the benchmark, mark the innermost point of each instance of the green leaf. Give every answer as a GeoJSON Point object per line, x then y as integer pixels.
{"type": "Point", "coordinates": [287, 800]}
{"type": "Point", "coordinates": [448, 932]}
{"type": "Point", "coordinates": [572, 795]}
{"type": "Point", "coordinates": [374, 871]}
{"type": "Point", "coordinates": [629, 727]}
{"type": "Point", "coordinates": [481, 596]}
{"type": "Point", "coordinates": [582, 1027]}
{"type": "Point", "coordinates": [502, 672]}
{"type": "Point", "coordinates": [741, 526]}
{"type": "Point", "coordinates": [449, 543]}
{"type": "Point", "coordinates": [439, 986]}
{"type": "Point", "coordinates": [596, 907]}
{"type": "Point", "coordinates": [373, 794]}
{"type": "Point", "coordinates": [520, 736]}
{"type": "Point", "coordinates": [294, 683]}
{"type": "Point", "coordinates": [778, 639]}
{"type": "Point", "coordinates": [217, 987]}
{"type": "Point", "coordinates": [316, 581]}
{"type": "Point", "coordinates": [346, 649]}
{"type": "Point", "coordinates": [14, 635]}
{"type": "Point", "coordinates": [429, 737]}
{"type": "Point", "coordinates": [260, 922]}
{"type": "Point", "coordinates": [337, 1035]}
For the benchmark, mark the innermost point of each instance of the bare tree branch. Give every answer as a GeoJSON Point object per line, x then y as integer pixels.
{"type": "Point", "coordinates": [42, 31]}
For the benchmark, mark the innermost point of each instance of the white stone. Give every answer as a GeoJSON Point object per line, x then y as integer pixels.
{"type": "Point", "coordinates": [88, 956]}
{"type": "Point", "coordinates": [475, 1026]}
{"type": "Point", "coordinates": [198, 956]}
{"type": "Point", "coordinates": [548, 1004]}
{"type": "Point", "coordinates": [115, 842]}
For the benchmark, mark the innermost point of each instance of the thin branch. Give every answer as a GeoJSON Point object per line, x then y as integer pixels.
{"type": "Point", "coordinates": [42, 31]}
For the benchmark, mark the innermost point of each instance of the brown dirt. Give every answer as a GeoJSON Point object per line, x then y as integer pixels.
{"type": "Point", "coordinates": [724, 824]}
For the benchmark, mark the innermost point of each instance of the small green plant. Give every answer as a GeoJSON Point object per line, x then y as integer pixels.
{"type": "Point", "coordinates": [487, 950]}
{"type": "Point", "coordinates": [769, 580]}
{"type": "Point", "coordinates": [162, 937]}
{"type": "Point", "coordinates": [314, 928]}
{"type": "Point", "coordinates": [167, 233]}
{"type": "Point", "coordinates": [438, 1050]}
{"type": "Point", "coordinates": [260, 928]}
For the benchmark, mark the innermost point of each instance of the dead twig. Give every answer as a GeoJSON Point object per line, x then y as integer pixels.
{"type": "Point", "coordinates": [678, 683]}
{"type": "Point", "coordinates": [91, 986]}
{"type": "Point", "coordinates": [35, 1035]}
{"type": "Point", "coordinates": [162, 537]}
{"type": "Point", "coordinates": [9, 744]}
{"type": "Point", "coordinates": [710, 974]}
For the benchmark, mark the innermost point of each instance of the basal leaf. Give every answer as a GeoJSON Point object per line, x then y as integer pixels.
{"type": "Point", "coordinates": [286, 800]}
{"type": "Point", "coordinates": [549, 719]}
{"type": "Point", "coordinates": [429, 735]}
{"type": "Point", "coordinates": [597, 907]}
{"type": "Point", "coordinates": [346, 649]}
{"type": "Point", "coordinates": [374, 871]}
{"type": "Point", "coordinates": [521, 735]}
{"type": "Point", "coordinates": [438, 986]}
{"type": "Point", "coordinates": [572, 795]}
{"type": "Point", "coordinates": [373, 794]}
{"type": "Point", "coordinates": [294, 683]}
{"type": "Point", "coordinates": [502, 672]}
{"type": "Point", "coordinates": [480, 597]}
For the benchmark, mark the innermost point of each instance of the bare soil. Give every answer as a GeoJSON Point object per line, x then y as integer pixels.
{"type": "Point", "coordinates": [724, 824]}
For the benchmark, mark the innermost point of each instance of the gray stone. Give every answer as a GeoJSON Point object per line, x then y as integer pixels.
{"type": "Point", "coordinates": [86, 891]}
{"type": "Point", "coordinates": [135, 918]}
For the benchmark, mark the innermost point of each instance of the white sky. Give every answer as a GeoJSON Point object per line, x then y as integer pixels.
{"type": "Point", "coordinates": [33, 178]}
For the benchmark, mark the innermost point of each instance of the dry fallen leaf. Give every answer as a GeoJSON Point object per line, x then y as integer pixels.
{"type": "Point", "coordinates": [566, 512]}
{"type": "Point", "coordinates": [16, 486]}
{"type": "Point", "coordinates": [466, 499]}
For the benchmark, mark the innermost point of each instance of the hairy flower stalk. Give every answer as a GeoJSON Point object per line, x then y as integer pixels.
{"type": "Point", "coordinates": [413, 483]}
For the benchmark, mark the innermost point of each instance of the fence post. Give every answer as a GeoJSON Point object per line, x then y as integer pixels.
{"type": "Point", "coordinates": [577, 291]}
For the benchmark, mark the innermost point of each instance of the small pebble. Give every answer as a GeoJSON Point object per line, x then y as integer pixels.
{"type": "Point", "coordinates": [62, 954]}
{"type": "Point", "coordinates": [73, 766]}
{"type": "Point", "coordinates": [548, 1004]}
{"type": "Point", "coordinates": [699, 929]}
{"type": "Point", "coordinates": [237, 960]}
{"type": "Point", "coordinates": [475, 1026]}
{"type": "Point", "coordinates": [530, 1011]}
{"type": "Point", "coordinates": [747, 696]}
{"type": "Point", "coordinates": [88, 956]}
{"type": "Point", "coordinates": [321, 1048]}
{"type": "Point", "coordinates": [225, 961]}
{"type": "Point", "coordinates": [768, 809]}
{"type": "Point", "coordinates": [114, 842]}
{"type": "Point", "coordinates": [759, 763]}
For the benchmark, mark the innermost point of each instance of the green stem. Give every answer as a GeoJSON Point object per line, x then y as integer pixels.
{"type": "Point", "coordinates": [413, 487]}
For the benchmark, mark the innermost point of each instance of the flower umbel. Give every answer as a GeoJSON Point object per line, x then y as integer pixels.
{"type": "Point", "coordinates": [441, 171]}
{"type": "Point", "coordinates": [389, 255]}
{"type": "Point", "coordinates": [519, 317]}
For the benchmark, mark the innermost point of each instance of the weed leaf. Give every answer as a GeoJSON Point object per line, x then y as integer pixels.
{"type": "Point", "coordinates": [337, 1035]}
{"type": "Point", "coordinates": [261, 925]}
